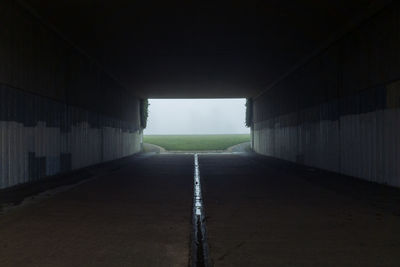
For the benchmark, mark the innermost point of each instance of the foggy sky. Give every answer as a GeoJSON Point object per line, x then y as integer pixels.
{"type": "Point", "coordinates": [196, 116]}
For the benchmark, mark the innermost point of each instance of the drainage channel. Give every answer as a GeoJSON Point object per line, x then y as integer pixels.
{"type": "Point", "coordinates": [200, 254]}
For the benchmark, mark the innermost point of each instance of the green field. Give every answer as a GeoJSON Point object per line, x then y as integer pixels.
{"type": "Point", "coordinates": [196, 142]}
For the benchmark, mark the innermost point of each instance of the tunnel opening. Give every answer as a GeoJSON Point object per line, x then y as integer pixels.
{"type": "Point", "coordinates": [197, 125]}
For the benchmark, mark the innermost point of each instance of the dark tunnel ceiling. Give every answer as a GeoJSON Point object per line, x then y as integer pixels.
{"type": "Point", "coordinates": [197, 49]}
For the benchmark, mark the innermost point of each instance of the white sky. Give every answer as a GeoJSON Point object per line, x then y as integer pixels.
{"type": "Point", "coordinates": [196, 116]}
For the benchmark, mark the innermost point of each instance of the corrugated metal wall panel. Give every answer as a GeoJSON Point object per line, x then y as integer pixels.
{"type": "Point", "coordinates": [43, 137]}
{"type": "Point", "coordinates": [58, 109]}
{"type": "Point", "coordinates": [347, 104]}
{"type": "Point", "coordinates": [360, 143]}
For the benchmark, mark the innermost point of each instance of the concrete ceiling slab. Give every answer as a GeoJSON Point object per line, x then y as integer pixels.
{"type": "Point", "coordinates": [172, 49]}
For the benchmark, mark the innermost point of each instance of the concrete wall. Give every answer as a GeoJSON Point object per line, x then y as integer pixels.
{"type": "Point", "coordinates": [341, 110]}
{"type": "Point", "coordinates": [59, 111]}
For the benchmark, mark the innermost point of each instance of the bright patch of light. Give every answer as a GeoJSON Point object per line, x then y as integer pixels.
{"type": "Point", "coordinates": [196, 116]}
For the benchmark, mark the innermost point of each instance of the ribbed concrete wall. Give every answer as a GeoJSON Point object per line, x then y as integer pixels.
{"type": "Point", "coordinates": [341, 110]}
{"type": "Point", "coordinates": [59, 110]}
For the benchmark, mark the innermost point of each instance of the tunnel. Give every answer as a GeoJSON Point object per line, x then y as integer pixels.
{"type": "Point", "coordinates": [319, 188]}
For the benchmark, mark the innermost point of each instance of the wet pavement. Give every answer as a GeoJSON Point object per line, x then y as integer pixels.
{"type": "Point", "coordinates": [139, 215]}
{"type": "Point", "coordinates": [259, 212]}
{"type": "Point", "coordinates": [262, 212]}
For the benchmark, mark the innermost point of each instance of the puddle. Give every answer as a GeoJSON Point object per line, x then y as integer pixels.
{"type": "Point", "coordinates": [200, 255]}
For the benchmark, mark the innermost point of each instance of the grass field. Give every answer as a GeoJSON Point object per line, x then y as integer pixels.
{"type": "Point", "coordinates": [196, 142]}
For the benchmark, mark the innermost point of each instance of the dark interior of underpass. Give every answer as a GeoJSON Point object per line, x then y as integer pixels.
{"type": "Point", "coordinates": [318, 185]}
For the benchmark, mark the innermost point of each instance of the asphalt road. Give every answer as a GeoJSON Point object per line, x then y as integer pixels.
{"type": "Point", "coordinates": [139, 215]}
{"type": "Point", "coordinates": [263, 212]}
{"type": "Point", "coordinates": [260, 212]}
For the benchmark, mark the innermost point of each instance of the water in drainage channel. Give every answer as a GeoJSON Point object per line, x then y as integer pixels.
{"type": "Point", "coordinates": [200, 254]}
